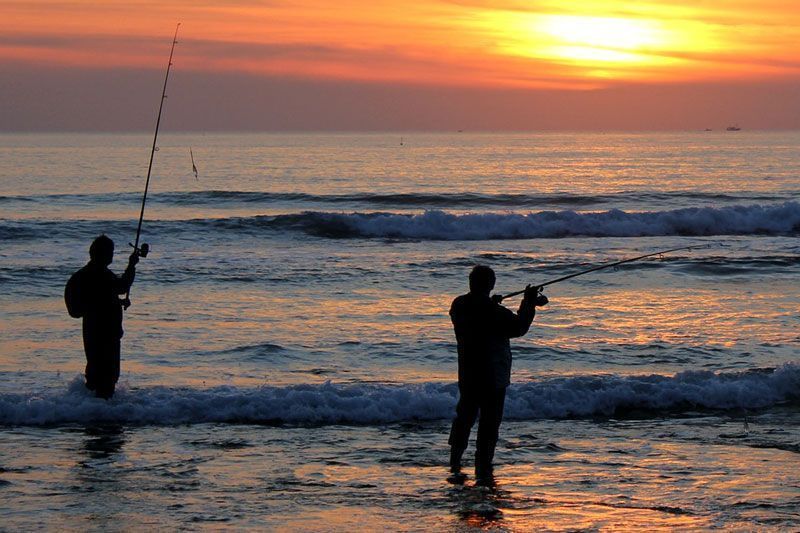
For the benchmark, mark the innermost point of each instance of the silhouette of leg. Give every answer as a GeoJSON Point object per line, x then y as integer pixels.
{"type": "Point", "coordinates": [94, 356]}
{"type": "Point", "coordinates": [105, 390]}
{"type": "Point", "coordinates": [466, 413]}
{"type": "Point", "coordinates": [102, 363]}
{"type": "Point", "coordinates": [491, 407]}
{"type": "Point", "coordinates": [110, 369]}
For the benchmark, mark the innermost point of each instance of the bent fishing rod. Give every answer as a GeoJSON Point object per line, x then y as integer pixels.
{"type": "Point", "coordinates": [540, 286]}
{"type": "Point", "coordinates": [144, 249]}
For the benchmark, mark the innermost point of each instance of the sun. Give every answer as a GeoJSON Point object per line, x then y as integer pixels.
{"type": "Point", "coordinates": [602, 33]}
{"type": "Point", "coordinates": [602, 41]}
{"type": "Point", "coordinates": [594, 46]}
{"type": "Point", "coordinates": [599, 41]}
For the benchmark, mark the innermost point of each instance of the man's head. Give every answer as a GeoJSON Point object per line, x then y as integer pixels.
{"type": "Point", "coordinates": [102, 250]}
{"type": "Point", "coordinates": [481, 280]}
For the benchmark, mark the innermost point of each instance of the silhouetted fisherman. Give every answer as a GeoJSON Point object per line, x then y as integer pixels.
{"type": "Point", "coordinates": [482, 328]}
{"type": "Point", "coordinates": [92, 293]}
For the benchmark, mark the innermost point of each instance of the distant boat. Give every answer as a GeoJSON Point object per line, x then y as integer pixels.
{"type": "Point", "coordinates": [733, 128]}
{"type": "Point", "coordinates": [708, 129]}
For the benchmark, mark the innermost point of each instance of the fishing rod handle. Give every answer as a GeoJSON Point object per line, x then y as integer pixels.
{"type": "Point", "coordinates": [501, 297]}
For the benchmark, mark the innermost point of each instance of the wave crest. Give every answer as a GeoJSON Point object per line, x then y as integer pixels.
{"type": "Point", "coordinates": [776, 219]}
{"type": "Point", "coordinates": [438, 225]}
{"type": "Point", "coordinates": [566, 397]}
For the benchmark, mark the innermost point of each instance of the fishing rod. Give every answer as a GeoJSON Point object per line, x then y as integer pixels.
{"type": "Point", "coordinates": [601, 267]}
{"type": "Point", "coordinates": [144, 249]}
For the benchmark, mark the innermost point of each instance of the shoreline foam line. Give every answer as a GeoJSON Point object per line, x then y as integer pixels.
{"type": "Point", "coordinates": [330, 403]}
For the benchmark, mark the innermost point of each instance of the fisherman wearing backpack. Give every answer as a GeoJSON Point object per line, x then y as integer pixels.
{"type": "Point", "coordinates": [92, 293]}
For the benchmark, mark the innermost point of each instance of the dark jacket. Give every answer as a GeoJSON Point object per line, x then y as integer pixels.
{"type": "Point", "coordinates": [99, 294]}
{"type": "Point", "coordinates": [482, 329]}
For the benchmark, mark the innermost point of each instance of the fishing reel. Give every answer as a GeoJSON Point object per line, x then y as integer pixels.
{"type": "Point", "coordinates": [142, 250]}
{"type": "Point", "coordinates": [540, 300]}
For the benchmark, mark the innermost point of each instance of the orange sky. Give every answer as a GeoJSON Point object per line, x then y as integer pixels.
{"type": "Point", "coordinates": [401, 65]}
{"type": "Point", "coordinates": [478, 43]}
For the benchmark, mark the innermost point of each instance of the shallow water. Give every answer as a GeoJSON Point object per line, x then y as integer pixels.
{"type": "Point", "coordinates": [288, 361]}
{"type": "Point", "coordinates": [684, 472]}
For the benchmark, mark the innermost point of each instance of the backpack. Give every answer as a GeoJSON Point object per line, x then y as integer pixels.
{"type": "Point", "coordinates": [72, 295]}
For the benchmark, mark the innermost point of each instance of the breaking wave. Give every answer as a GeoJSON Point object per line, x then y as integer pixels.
{"type": "Point", "coordinates": [555, 398]}
{"type": "Point", "coordinates": [773, 219]}
{"type": "Point", "coordinates": [438, 225]}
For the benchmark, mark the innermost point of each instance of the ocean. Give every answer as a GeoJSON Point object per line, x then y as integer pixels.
{"type": "Point", "coordinates": [289, 363]}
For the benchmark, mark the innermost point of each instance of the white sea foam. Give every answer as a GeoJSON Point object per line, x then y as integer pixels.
{"type": "Point", "coordinates": [581, 396]}
{"type": "Point", "coordinates": [734, 220]}
{"type": "Point", "coordinates": [771, 219]}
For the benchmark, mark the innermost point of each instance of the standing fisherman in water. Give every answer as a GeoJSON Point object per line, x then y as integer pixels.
{"type": "Point", "coordinates": [482, 328]}
{"type": "Point", "coordinates": [93, 293]}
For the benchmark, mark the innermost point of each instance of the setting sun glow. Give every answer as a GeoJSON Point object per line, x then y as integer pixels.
{"type": "Point", "coordinates": [602, 32]}
{"type": "Point", "coordinates": [485, 43]}
{"type": "Point", "coordinates": [601, 39]}
{"type": "Point", "coordinates": [584, 46]}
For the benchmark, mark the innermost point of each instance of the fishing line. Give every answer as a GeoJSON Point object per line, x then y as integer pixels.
{"type": "Point", "coordinates": [601, 267]}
